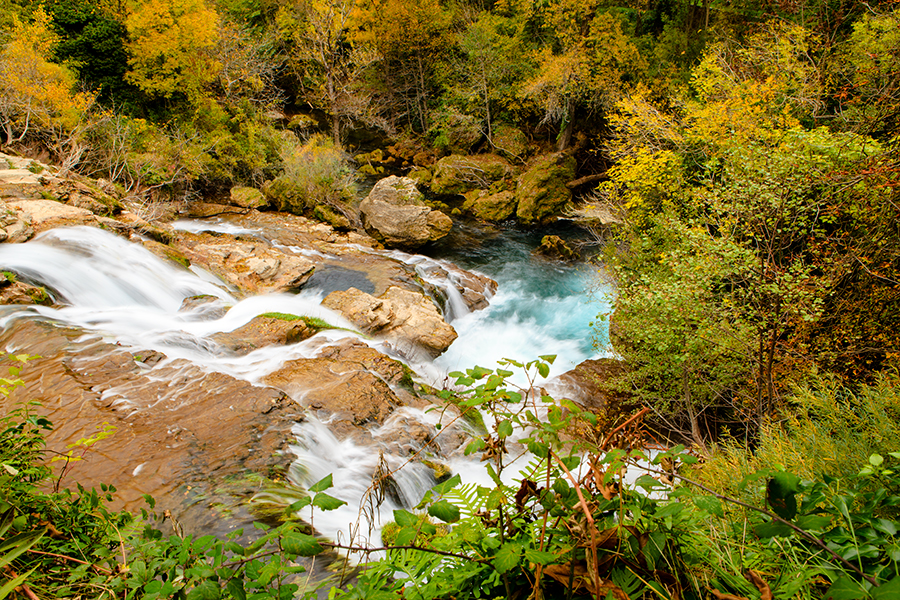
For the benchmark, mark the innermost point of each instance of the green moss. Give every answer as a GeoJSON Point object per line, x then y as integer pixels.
{"type": "Point", "coordinates": [35, 167]}
{"type": "Point", "coordinates": [312, 322]}
{"type": "Point", "coordinates": [9, 276]}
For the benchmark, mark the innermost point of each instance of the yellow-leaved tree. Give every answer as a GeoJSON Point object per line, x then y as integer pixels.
{"type": "Point", "coordinates": [171, 45]}
{"type": "Point", "coordinates": [34, 92]}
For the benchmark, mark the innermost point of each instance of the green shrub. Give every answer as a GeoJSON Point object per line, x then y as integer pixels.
{"type": "Point", "coordinates": [315, 172]}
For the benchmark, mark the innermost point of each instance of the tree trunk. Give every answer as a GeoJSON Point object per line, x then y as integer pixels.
{"type": "Point", "coordinates": [565, 136]}
{"type": "Point", "coordinates": [696, 435]}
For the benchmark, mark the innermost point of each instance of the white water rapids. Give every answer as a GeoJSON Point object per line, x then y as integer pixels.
{"type": "Point", "coordinates": [120, 291]}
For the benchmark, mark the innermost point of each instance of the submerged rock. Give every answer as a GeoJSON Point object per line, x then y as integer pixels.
{"type": "Point", "coordinates": [349, 383]}
{"type": "Point", "coordinates": [409, 320]}
{"type": "Point", "coordinates": [554, 246]}
{"type": "Point", "coordinates": [265, 330]}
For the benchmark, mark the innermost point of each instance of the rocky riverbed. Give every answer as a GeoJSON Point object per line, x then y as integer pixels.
{"type": "Point", "coordinates": [185, 427]}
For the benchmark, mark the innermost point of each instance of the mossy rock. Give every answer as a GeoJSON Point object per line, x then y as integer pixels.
{"type": "Point", "coordinates": [456, 132]}
{"type": "Point", "coordinates": [510, 142]}
{"type": "Point", "coordinates": [338, 221]}
{"type": "Point", "coordinates": [248, 197]}
{"type": "Point", "coordinates": [286, 196]}
{"type": "Point", "coordinates": [420, 176]}
{"type": "Point", "coordinates": [456, 174]}
{"type": "Point", "coordinates": [490, 207]}
{"type": "Point", "coordinates": [541, 191]}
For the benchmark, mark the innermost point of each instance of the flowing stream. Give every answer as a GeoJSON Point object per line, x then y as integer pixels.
{"type": "Point", "coordinates": [119, 291]}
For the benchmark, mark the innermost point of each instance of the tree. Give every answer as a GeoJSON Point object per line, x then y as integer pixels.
{"type": "Point", "coordinates": [170, 46]}
{"type": "Point", "coordinates": [588, 66]}
{"type": "Point", "coordinates": [491, 67]}
{"type": "Point", "coordinates": [34, 92]}
{"type": "Point", "coordinates": [325, 61]}
{"type": "Point", "coordinates": [413, 38]}
{"type": "Point", "coordinates": [93, 40]}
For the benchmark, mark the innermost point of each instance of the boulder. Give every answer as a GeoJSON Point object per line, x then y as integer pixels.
{"type": "Point", "coordinates": [250, 265]}
{"type": "Point", "coordinates": [15, 226]}
{"type": "Point", "coordinates": [18, 292]}
{"type": "Point", "coordinates": [455, 174]}
{"type": "Point", "coordinates": [395, 214]}
{"type": "Point", "coordinates": [337, 220]}
{"type": "Point", "coordinates": [555, 247]}
{"type": "Point", "coordinates": [457, 132]}
{"type": "Point", "coordinates": [409, 320]}
{"type": "Point", "coordinates": [349, 381]}
{"type": "Point", "coordinates": [47, 214]}
{"type": "Point", "coordinates": [541, 191]}
{"type": "Point", "coordinates": [510, 141]}
{"type": "Point", "coordinates": [248, 197]}
{"type": "Point", "coordinates": [490, 207]}
{"type": "Point", "coordinates": [265, 330]}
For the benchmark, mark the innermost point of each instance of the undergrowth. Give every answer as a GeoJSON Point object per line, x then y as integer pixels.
{"type": "Point", "coordinates": [598, 516]}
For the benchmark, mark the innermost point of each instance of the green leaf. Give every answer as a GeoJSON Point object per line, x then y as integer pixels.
{"type": "Point", "coordinates": [507, 557]}
{"type": "Point", "coordinates": [11, 585]}
{"type": "Point", "coordinates": [406, 536]}
{"type": "Point", "coordinates": [18, 544]}
{"type": "Point", "coordinates": [887, 591]}
{"type": "Point", "coordinates": [301, 544]}
{"type": "Point", "coordinates": [772, 529]}
{"type": "Point", "coordinates": [446, 486]}
{"type": "Point", "coordinates": [504, 429]}
{"type": "Point", "coordinates": [6, 520]}
{"type": "Point", "coordinates": [207, 590]}
{"type": "Point", "coordinates": [543, 369]}
{"type": "Point", "coordinates": [326, 502]}
{"type": "Point", "coordinates": [540, 557]}
{"type": "Point", "coordinates": [813, 522]}
{"type": "Point", "coordinates": [781, 494]}
{"type": "Point", "coordinates": [404, 518]}
{"type": "Point", "coordinates": [322, 485]}
{"type": "Point", "coordinates": [670, 509]}
{"type": "Point", "coordinates": [548, 357]}
{"type": "Point", "coordinates": [875, 460]}
{"type": "Point", "coordinates": [647, 482]}
{"type": "Point", "coordinates": [844, 589]}
{"type": "Point", "coordinates": [710, 504]}
{"type": "Point", "coordinates": [443, 510]}
{"type": "Point", "coordinates": [235, 587]}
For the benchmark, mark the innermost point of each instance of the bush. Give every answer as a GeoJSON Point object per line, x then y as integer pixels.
{"type": "Point", "coordinates": [315, 172]}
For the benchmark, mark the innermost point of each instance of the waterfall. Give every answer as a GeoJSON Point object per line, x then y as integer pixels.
{"type": "Point", "coordinates": [121, 293]}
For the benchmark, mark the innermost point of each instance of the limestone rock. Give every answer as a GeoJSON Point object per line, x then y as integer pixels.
{"type": "Point", "coordinates": [250, 265]}
{"type": "Point", "coordinates": [541, 190]}
{"type": "Point", "coordinates": [47, 214]}
{"type": "Point", "coordinates": [490, 207]}
{"type": "Point", "coordinates": [555, 247]}
{"type": "Point", "coordinates": [248, 197]}
{"type": "Point", "coordinates": [264, 331]}
{"type": "Point", "coordinates": [395, 214]}
{"type": "Point", "coordinates": [510, 141]}
{"type": "Point", "coordinates": [18, 292]}
{"type": "Point", "coordinates": [407, 319]}
{"type": "Point", "coordinates": [455, 174]}
{"type": "Point", "coordinates": [15, 226]}
{"type": "Point", "coordinates": [350, 381]}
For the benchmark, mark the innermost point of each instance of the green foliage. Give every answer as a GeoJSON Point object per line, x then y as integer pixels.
{"type": "Point", "coordinates": [315, 172]}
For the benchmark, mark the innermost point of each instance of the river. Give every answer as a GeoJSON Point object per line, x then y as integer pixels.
{"type": "Point", "coordinates": [118, 291]}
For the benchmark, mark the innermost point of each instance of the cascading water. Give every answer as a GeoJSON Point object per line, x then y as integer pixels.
{"type": "Point", "coordinates": [122, 293]}
{"type": "Point", "coordinates": [542, 306]}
